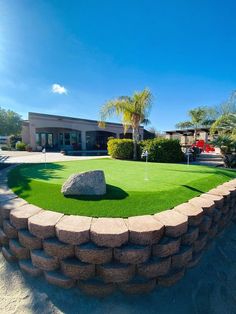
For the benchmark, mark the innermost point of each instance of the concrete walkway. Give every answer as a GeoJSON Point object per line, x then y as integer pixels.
{"type": "Point", "coordinates": [35, 157]}
{"type": "Point", "coordinates": [209, 288]}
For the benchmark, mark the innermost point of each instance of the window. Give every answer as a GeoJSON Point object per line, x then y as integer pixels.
{"type": "Point", "coordinates": [38, 141]}
{"type": "Point", "coordinates": [67, 138]}
{"type": "Point", "coordinates": [50, 140]}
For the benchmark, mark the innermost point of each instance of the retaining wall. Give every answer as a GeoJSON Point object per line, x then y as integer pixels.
{"type": "Point", "coordinates": [103, 254]}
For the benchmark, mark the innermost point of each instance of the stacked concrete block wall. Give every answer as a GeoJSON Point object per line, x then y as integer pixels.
{"type": "Point", "coordinates": [100, 255]}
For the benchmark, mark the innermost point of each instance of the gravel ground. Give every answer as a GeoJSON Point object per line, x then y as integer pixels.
{"type": "Point", "coordinates": [209, 288]}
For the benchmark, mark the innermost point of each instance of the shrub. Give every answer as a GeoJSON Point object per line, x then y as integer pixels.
{"type": "Point", "coordinates": [13, 139]}
{"type": "Point", "coordinates": [162, 150]}
{"type": "Point", "coordinates": [20, 146]}
{"type": "Point", "coordinates": [5, 148]}
{"type": "Point", "coordinates": [120, 148]}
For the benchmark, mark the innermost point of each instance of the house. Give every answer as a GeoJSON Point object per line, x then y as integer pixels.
{"type": "Point", "coordinates": [57, 133]}
{"type": "Point", "coordinates": [186, 137]}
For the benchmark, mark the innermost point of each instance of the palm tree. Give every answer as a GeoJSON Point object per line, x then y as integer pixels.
{"type": "Point", "coordinates": [133, 111]}
{"type": "Point", "coordinates": [184, 125]}
{"type": "Point", "coordinates": [225, 124]}
{"type": "Point", "coordinates": [198, 117]}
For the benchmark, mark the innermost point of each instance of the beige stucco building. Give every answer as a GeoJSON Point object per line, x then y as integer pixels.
{"type": "Point", "coordinates": [67, 133]}
{"type": "Point", "coordinates": [186, 137]}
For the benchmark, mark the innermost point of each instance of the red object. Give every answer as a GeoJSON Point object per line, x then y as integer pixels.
{"type": "Point", "coordinates": [203, 146]}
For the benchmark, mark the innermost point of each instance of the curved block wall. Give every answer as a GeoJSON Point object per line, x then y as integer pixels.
{"type": "Point", "coordinates": [103, 254]}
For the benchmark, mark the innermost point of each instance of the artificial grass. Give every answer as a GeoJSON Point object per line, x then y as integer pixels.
{"type": "Point", "coordinates": [128, 193]}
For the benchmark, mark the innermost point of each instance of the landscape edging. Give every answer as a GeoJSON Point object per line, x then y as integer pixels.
{"type": "Point", "coordinates": [101, 254]}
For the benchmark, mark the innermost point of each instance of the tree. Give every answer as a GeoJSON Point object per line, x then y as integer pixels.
{"type": "Point", "coordinates": [198, 117]}
{"type": "Point", "coordinates": [10, 122]}
{"type": "Point", "coordinates": [225, 124]}
{"type": "Point", "coordinates": [133, 111]}
{"type": "Point", "coordinates": [184, 125]}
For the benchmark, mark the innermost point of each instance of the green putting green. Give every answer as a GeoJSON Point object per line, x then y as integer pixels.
{"type": "Point", "coordinates": [133, 188]}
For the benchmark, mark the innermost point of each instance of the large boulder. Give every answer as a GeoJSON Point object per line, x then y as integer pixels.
{"type": "Point", "coordinates": [85, 183]}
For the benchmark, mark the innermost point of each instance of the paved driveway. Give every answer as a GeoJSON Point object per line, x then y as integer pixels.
{"type": "Point", "coordinates": [35, 157]}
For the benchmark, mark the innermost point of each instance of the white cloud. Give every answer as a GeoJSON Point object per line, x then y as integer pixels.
{"type": "Point", "coordinates": [58, 89]}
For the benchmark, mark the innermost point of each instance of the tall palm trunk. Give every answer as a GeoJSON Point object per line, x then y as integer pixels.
{"type": "Point", "coordinates": [195, 135]}
{"type": "Point", "coordinates": [135, 140]}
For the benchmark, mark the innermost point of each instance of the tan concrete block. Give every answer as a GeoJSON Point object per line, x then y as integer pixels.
{"type": "Point", "coordinates": [191, 236]}
{"type": "Point", "coordinates": [3, 238]}
{"type": "Point", "coordinates": [221, 192]}
{"type": "Point", "coordinates": [93, 254]}
{"type": "Point", "coordinates": [96, 287]}
{"type": "Point", "coordinates": [56, 248]}
{"type": "Point", "coordinates": [154, 267]}
{"type": "Point", "coordinates": [7, 254]}
{"type": "Point", "coordinates": [19, 216]}
{"type": "Point", "coordinates": [213, 231]}
{"type": "Point", "coordinates": [109, 232]}
{"type": "Point", "coordinates": [58, 279]}
{"type": "Point", "coordinates": [216, 215]}
{"type": "Point", "coordinates": [6, 197]}
{"type": "Point", "coordinates": [28, 240]}
{"type": "Point", "coordinates": [41, 260]}
{"type": "Point", "coordinates": [27, 266]}
{"type": "Point", "coordinates": [229, 188]}
{"type": "Point", "coordinates": [206, 204]}
{"type": "Point", "coordinates": [175, 223]}
{"type": "Point", "coordinates": [144, 230]}
{"type": "Point", "coordinates": [116, 272]}
{"type": "Point", "coordinates": [42, 225]}
{"type": "Point", "coordinates": [9, 230]}
{"type": "Point", "coordinates": [200, 243]}
{"type": "Point", "coordinates": [132, 254]}
{"type": "Point", "coordinates": [182, 258]}
{"type": "Point", "coordinates": [138, 285]}
{"type": "Point", "coordinates": [166, 247]}
{"type": "Point", "coordinates": [171, 278]}
{"type": "Point", "coordinates": [74, 229]}
{"type": "Point", "coordinates": [217, 199]}
{"type": "Point", "coordinates": [194, 213]}
{"type": "Point", "coordinates": [76, 269]}
{"type": "Point", "coordinates": [18, 250]}
{"type": "Point", "coordinates": [7, 207]}
{"type": "Point", "coordinates": [195, 260]}
{"type": "Point", "coordinates": [205, 224]}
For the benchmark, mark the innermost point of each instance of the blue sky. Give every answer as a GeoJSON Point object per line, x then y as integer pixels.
{"type": "Point", "coordinates": [183, 50]}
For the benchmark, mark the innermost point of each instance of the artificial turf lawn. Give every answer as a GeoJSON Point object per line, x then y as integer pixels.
{"type": "Point", "coordinates": [128, 193]}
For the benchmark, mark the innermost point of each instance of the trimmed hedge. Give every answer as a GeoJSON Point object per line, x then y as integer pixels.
{"type": "Point", "coordinates": [120, 148]}
{"type": "Point", "coordinates": [159, 149]}
{"type": "Point", "coordinates": [163, 150]}
{"type": "Point", "coordinates": [20, 146]}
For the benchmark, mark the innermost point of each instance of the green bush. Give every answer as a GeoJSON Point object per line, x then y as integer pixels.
{"type": "Point", "coordinates": [120, 148]}
{"type": "Point", "coordinates": [20, 146]}
{"type": "Point", "coordinates": [13, 139]}
{"type": "Point", "coordinates": [162, 150]}
{"type": "Point", "coordinates": [5, 148]}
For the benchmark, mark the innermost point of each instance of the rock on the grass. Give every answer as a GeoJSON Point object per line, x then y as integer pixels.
{"type": "Point", "coordinates": [85, 183]}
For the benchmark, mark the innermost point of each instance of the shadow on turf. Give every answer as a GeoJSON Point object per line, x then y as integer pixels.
{"type": "Point", "coordinates": [192, 188]}
{"type": "Point", "coordinates": [113, 193]}
{"type": "Point", "coordinates": [21, 183]}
